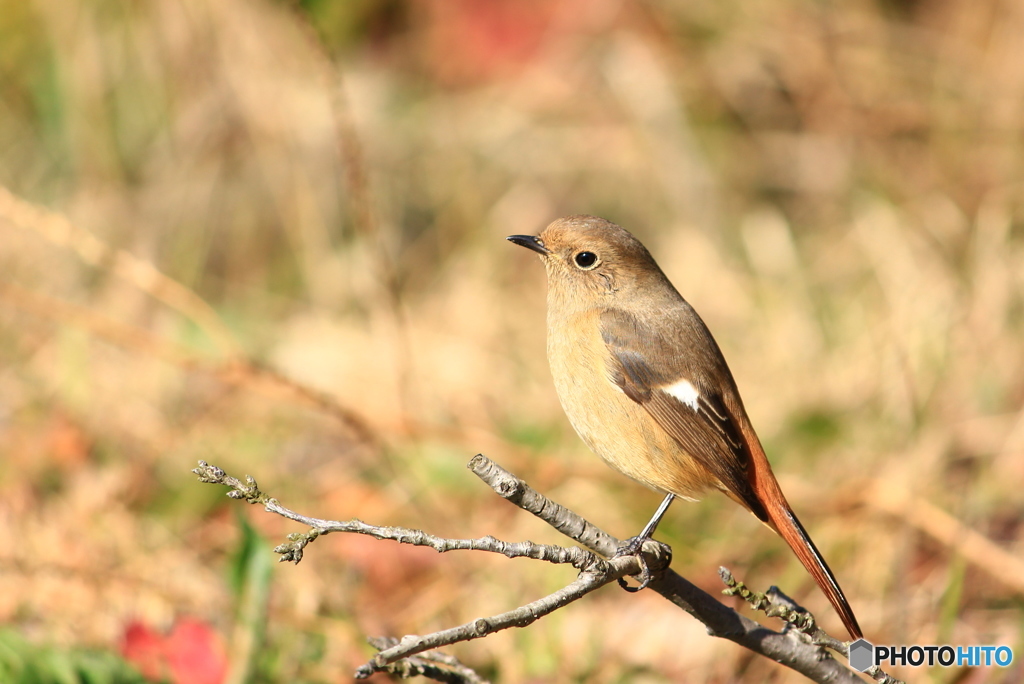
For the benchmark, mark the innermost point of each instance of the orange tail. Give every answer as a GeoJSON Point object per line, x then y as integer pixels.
{"type": "Point", "coordinates": [789, 528]}
{"type": "Point", "coordinates": [785, 523]}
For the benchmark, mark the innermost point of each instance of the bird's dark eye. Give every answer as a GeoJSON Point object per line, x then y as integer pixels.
{"type": "Point", "coordinates": [585, 259]}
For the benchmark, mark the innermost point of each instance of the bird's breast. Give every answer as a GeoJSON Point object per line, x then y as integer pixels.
{"type": "Point", "coordinates": [615, 427]}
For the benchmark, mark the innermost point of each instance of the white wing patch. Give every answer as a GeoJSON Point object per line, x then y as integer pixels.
{"type": "Point", "coordinates": [685, 392]}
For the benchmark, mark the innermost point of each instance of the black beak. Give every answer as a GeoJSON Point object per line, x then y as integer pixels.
{"type": "Point", "coordinates": [530, 242]}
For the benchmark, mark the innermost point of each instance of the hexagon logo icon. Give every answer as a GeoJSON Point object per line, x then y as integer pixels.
{"type": "Point", "coordinates": [862, 655]}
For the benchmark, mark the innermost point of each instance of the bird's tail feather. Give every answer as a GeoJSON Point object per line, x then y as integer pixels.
{"type": "Point", "coordinates": [788, 526]}
{"type": "Point", "coordinates": [785, 523]}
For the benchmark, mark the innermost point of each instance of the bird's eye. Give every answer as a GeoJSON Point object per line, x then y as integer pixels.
{"type": "Point", "coordinates": [585, 260]}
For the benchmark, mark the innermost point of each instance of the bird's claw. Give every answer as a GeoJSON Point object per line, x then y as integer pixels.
{"type": "Point", "coordinates": [634, 547]}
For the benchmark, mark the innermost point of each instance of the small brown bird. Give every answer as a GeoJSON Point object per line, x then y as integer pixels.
{"type": "Point", "coordinates": [645, 385]}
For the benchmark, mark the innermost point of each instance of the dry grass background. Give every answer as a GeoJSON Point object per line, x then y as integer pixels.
{"type": "Point", "coordinates": [837, 187]}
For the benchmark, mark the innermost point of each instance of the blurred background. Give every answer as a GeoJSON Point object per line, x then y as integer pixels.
{"type": "Point", "coordinates": [270, 235]}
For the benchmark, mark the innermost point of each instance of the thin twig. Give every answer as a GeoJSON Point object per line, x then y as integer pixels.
{"type": "Point", "coordinates": [775, 603]}
{"type": "Point", "coordinates": [580, 559]}
{"type": "Point", "coordinates": [510, 487]}
{"type": "Point", "coordinates": [435, 665]}
{"type": "Point", "coordinates": [588, 581]}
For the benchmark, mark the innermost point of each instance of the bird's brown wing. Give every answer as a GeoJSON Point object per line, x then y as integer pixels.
{"type": "Point", "coordinates": [652, 367]}
{"type": "Point", "coordinates": [706, 418]}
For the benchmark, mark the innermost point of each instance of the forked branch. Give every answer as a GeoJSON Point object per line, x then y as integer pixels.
{"type": "Point", "coordinates": [801, 646]}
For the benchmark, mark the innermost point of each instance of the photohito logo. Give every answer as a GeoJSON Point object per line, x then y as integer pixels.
{"type": "Point", "coordinates": [864, 654]}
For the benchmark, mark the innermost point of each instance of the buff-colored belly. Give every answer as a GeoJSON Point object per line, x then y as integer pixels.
{"type": "Point", "coordinates": [615, 427]}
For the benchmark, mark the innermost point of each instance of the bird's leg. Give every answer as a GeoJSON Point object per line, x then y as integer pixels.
{"type": "Point", "coordinates": [649, 529]}
{"type": "Point", "coordinates": [634, 546]}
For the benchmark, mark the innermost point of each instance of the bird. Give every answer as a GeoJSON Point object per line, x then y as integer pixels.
{"type": "Point", "coordinates": [646, 387]}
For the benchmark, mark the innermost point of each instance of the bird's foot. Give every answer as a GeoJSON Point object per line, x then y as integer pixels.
{"type": "Point", "coordinates": [634, 546]}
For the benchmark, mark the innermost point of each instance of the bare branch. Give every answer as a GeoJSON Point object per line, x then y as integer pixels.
{"type": "Point", "coordinates": [810, 659]}
{"type": "Point", "coordinates": [589, 580]}
{"type": "Point", "coordinates": [774, 603]}
{"type": "Point", "coordinates": [435, 665]}
{"type": "Point", "coordinates": [293, 549]}
{"type": "Point", "coordinates": [573, 526]}
{"type": "Point", "coordinates": [801, 646]}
